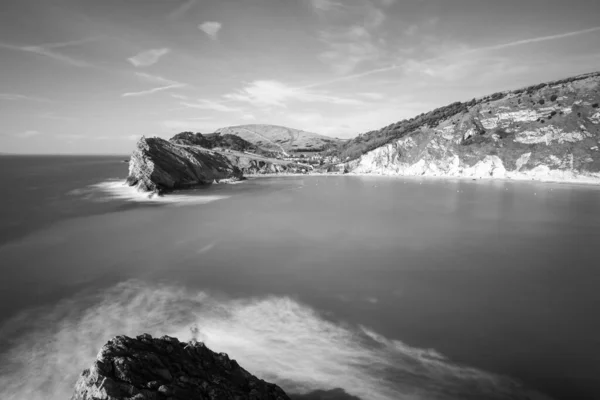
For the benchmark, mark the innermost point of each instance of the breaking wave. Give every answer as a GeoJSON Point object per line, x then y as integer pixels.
{"type": "Point", "coordinates": [275, 338]}
{"type": "Point", "coordinates": [111, 190]}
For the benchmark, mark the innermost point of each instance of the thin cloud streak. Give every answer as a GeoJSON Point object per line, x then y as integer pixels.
{"type": "Point", "coordinates": [153, 90]}
{"type": "Point", "coordinates": [475, 50]}
{"type": "Point", "coordinates": [204, 104]}
{"type": "Point", "coordinates": [157, 79]}
{"type": "Point", "coordinates": [537, 40]}
{"type": "Point", "coordinates": [182, 9]}
{"type": "Point", "coordinates": [16, 97]}
{"type": "Point", "coordinates": [45, 50]}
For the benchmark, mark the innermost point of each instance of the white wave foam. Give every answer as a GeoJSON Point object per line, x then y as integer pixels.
{"type": "Point", "coordinates": [122, 191]}
{"type": "Point", "coordinates": [276, 338]}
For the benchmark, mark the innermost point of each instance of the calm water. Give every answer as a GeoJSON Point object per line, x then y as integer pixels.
{"type": "Point", "coordinates": [386, 288]}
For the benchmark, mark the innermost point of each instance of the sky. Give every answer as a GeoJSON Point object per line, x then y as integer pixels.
{"type": "Point", "coordinates": [91, 76]}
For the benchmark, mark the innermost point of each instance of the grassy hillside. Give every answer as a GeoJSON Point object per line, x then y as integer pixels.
{"type": "Point", "coordinates": [281, 139]}
{"type": "Point", "coordinates": [549, 131]}
{"type": "Point", "coordinates": [368, 141]}
{"type": "Point", "coordinates": [219, 141]}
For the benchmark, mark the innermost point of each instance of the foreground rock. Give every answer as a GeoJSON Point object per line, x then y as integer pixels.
{"type": "Point", "coordinates": [157, 165]}
{"type": "Point", "coordinates": [147, 368]}
{"type": "Point", "coordinates": [548, 132]}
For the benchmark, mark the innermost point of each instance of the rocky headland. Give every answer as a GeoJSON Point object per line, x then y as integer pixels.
{"type": "Point", "coordinates": [159, 166]}
{"type": "Point", "coordinates": [546, 132]}
{"type": "Point", "coordinates": [147, 368]}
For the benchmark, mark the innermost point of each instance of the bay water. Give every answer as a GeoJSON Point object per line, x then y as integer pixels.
{"type": "Point", "coordinates": [341, 286]}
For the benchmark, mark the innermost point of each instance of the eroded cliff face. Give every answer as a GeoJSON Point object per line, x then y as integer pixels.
{"type": "Point", "coordinates": [549, 134]}
{"type": "Point", "coordinates": [147, 368]}
{"type": "Point", "coordinates": [157, 165]}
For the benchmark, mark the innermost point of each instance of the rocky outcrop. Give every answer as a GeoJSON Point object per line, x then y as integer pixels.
{"type": "Point", "coordinates": [157, 165]}
{"type": "Point", "coordinates": [548, 132]}
{"type": "Point", "coordinates": [147, 368]}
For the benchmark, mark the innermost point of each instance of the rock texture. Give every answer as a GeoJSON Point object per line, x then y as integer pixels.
{"type": "Point", "coordinates": [547, 132]}
{"type": "Point", "coordinates": [157, 165]}
{"type": "Point", "coordinates": [147, 368]}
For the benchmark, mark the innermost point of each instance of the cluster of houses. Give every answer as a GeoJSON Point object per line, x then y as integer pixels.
{"type": "Point", "coordinates": [311, 158]}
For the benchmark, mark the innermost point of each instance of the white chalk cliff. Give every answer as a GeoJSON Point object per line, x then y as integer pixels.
{"type": "Point", "coordinates": [549, 132]}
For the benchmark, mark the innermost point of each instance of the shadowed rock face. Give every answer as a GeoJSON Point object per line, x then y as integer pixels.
{"type": "Point", "coordinates": [157, 165]}
{"type": "Point", "coordinates": [147, 368]}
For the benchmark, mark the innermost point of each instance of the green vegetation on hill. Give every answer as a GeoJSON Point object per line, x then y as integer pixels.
{"type": "Point", "coordinates": [281, 139]}
{"type": "Point", "coordinates": [216, 140]}
{"type": "Point", "coordinates": [368, 141]}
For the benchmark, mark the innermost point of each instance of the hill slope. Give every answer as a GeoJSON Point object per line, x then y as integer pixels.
{"type": "Point", "coordinates": [548, 132]}
{"type": "Point", "coordinates": [281, 139]}
{"type": "Point", "coordinates": [218, 141]}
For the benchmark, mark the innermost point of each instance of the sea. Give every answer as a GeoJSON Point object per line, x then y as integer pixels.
{"type": "Point", "coordinates": [333, 287]}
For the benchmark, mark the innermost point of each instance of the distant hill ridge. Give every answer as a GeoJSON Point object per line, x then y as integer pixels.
{"type": "Point", "coordinates": [281, 139]}
{"type": "Point", "coordinates": [217, 140]}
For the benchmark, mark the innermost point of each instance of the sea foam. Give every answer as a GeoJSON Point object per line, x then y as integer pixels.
{"type": "Point", "coordinates": [276, 338]}
{"type": "Point", "coordinates": [110, 190]}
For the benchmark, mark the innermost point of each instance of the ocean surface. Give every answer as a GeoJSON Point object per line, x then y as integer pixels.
{"type": "Point", "coordinates": [362, 287]}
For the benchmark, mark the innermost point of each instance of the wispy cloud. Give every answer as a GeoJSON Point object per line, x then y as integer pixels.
{"type": "Point", "coordinates": [537, 39]}
{"type": "Point", "coordinates": [28, 134]}
{"type": "Point", "coordinates": [15, 97]}
{"type": "Point", "coordinates": [211, 28]}
{"type": "Point", "coordinates": [204, 104]}
{"type": "Point", "coordinates": [462, 52]}
{"type": "Point", "coordinates": [156, 78]}
{"type": "Point", "coordinates": [166, 84]}
{"type": "Point", "coordinates": [182, 9]}
{"type": "Point", "coordinates": [47, 50]}
{"type": "Point", "coordinates": [349, 48]}
{"type": "Point", "coordinates": [358, 42]}
{"type": "Point", "coordinates": [148, 57]}
{"type": "Point", "coordinates": [274, 93]}
{"type": "Point", "coordinates": [325, 5]}
{"type": "Point", "coordinates": [153, 90]}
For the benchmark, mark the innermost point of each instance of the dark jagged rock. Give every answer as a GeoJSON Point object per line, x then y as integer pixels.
{"type": "Point", "coordinates": [157, 165]}
{"type": "Point", "coordinates": [147, 368]}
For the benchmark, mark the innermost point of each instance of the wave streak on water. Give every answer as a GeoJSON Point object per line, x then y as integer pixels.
{"type": "Point", "coordinates": [276, 338]}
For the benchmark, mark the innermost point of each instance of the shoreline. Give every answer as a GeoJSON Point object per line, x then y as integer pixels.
{"type": "Point", "coordinates": [585, 181]}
